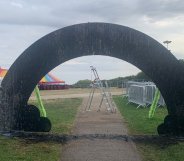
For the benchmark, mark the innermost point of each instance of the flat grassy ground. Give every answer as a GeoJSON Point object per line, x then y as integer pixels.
{"type": "Point", "coordinates": [62, 113]}
{"type": "Point", "coordinates": [73, 91]}
{"type": "Point", "coordinates": [139, 123]}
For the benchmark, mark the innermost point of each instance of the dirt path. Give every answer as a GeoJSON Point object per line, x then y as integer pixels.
{"type": "Point", "coordinates": [103, 122]}
{"type": "Point", "coordinates": [76, 95]}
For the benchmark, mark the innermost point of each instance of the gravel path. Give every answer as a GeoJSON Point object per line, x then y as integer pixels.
{"type": "Point", "coordinates": [103, 122]}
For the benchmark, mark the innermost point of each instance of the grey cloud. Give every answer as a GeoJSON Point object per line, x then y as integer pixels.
{"type": "Point", "coordinates": [61, 13]}
{"type": "Point", "coordinates": [105, 63]}
{"type": "Point", "coordinates": [110, 68]}
{"type": "Point", "coordinates": [23, 22]}
{"type": "Point", "coordinates": [98, 9]}
{"type": "Point", "coordinates": [160, 9]}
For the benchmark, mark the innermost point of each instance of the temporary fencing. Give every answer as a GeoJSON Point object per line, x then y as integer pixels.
{"type": "Point", "coordinates": [126, 85]}
{"type": "Point", "coordinates": [150, 93]}
{"type": "Point", "coordinates": [136, 94]}
{"type": "Point", "coordinates": [142, 93]}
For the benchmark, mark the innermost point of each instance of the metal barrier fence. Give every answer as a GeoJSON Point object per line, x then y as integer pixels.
{"type": "Point", "coordinates": [150, 93]}
{"type": "Point", "coordinates": [136, 94]}
{"type": "Point", "coordinates": [127, 84]}
{"type": "Point", "coordinates": [142, 93]}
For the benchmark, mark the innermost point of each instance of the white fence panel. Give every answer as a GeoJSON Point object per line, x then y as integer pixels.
{"type": "Point", "coordinates": [149, 93]}
{"type": "Point", "coordinates": [136, 94]}
{"type": "Point", "coordinates": [142, 93]}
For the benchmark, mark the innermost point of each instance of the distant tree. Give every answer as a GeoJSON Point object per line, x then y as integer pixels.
{"type": "Point", "coordinates": [142, 77]}
{"type": "Point", "coordinates": [82, 84]}
{"type": "Point", "coordinates": [116, 82]}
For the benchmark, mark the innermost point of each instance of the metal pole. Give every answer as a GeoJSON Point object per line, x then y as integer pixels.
{"type": "Point", "coordinates": [167, 42]}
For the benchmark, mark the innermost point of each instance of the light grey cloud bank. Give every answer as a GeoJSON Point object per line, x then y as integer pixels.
{"type": "Point", "coordinates": [23, 22]}
{"type": "Point", "coordinates": [107, 67]}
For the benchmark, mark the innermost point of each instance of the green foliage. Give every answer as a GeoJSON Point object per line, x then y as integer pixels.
{"type": "Point", "coordinates": [142, 76]}
{"type": "Point", "coordinates": [116, 82]}
{"type": "Point", "coordinates": [82, 84]}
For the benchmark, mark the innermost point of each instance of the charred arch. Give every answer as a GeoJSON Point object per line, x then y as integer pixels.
{"type": "Point", "coordinates": [92, 39]}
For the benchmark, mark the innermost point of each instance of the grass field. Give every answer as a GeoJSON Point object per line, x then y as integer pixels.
{"type": "Point", "coordinates": [139, 123]}
{"type": "Point", "coordinates": [62, 113]}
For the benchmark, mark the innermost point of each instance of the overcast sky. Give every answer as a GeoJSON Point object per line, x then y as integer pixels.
{"type": "Point", "coordinates": [23, 22]}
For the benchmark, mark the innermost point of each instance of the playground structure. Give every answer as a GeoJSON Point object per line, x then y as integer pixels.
{"type": "Point", "coordinates": [137, 48]}
{"type": "Point", "coordinates": [105, 93]}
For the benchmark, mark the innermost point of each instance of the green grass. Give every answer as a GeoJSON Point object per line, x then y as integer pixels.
{"type": "Point", "coordinates": [62, 113]}
{"type": "Point", "coordinates": [139, 123]}
{"type": "Point", "coordinates": [20, 150]}
{"type": "Point", "coordinates": [156, 152]}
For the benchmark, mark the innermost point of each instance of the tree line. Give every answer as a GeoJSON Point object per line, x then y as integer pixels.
{"type": "Point", "coordinates": [116, 82]}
